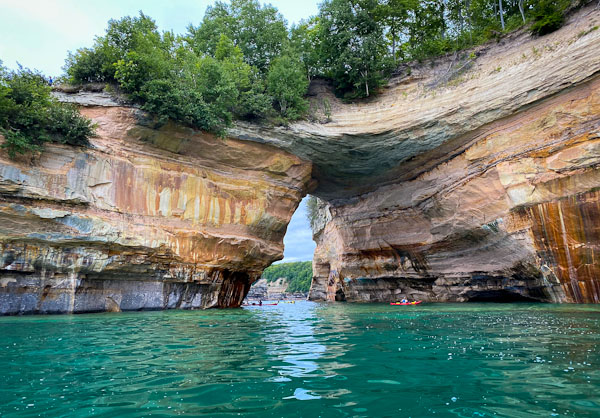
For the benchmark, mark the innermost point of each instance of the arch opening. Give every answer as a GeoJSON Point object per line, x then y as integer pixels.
{"type": "Point", "coordinates": [289, 278]}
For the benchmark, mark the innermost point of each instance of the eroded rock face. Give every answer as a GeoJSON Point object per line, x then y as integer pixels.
{"type": "Point", "coordinates": [144, 219]}
{"type": "Point", "coordinates": [475, 179]}
{"type": "Point", "coordinates": [492, 191]}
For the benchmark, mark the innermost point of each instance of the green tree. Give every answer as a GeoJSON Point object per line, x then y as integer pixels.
{"type": "Point", "coordinates": [88, 65]}
{"type": "Point", "coordinates": [251, 100]}
{"type": "Point", "coordinates": [287, 84]}
{"type": "Point", "coordinates": [353, 47]}
{"type": "Point", "coordinates": [132, 51]}
{"type": "Point", "coordinates": [394, 15]}
{"type": "Point", "coordinates": [259, 31]}
{"type": "Point", "coordinates": [305, 43]}
{"type": "Point", "coordinates": [201, 94]}
{"type": "Point", "coordinates": [427, 30]}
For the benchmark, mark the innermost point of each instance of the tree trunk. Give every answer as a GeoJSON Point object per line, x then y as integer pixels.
{"type": "Point", "coordinates": [283, 106]}
{"type": "Point", "coordinates": [394, 45]}
{"type": "Point", "coordinates": [501, 13]}
{"type": "Point", "coordinates": [460, 18]}
{"type": "Point", "coordinates": [467, 11]}
{"type": "Point", "coordinates": [364, 74]}
{"type": "Point", "coordinates": [521, 10]}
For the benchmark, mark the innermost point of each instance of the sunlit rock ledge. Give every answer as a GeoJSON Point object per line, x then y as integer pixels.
{"type": "Point", "coordinates": [474, 178]}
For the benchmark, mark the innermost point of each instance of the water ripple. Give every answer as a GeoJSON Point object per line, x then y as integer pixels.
{"type": "Point", "coordinates": [304, 360]}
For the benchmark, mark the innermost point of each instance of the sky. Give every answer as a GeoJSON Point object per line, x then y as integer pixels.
{"type": "Point", "coordinates": [38, 34]}
{"type": "Point", "coordinates": [298, 242]}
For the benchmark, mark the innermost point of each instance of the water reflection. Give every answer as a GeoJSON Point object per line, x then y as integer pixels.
{"type": "Point", "coordinates": [303, 343]}
{"type": "Point", "coordinates": [306, 360]}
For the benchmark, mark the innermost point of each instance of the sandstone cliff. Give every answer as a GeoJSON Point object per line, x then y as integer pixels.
{"type": "Point", "coordinates": [476, 178]}
{"type": "Point", "coordinates": [143, 219]}
{"type": "Point", "coordinates": [473, 179]}
{"type": "Point", "coordinates": [481, 187]}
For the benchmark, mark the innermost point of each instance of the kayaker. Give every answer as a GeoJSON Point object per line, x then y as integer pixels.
{"type": "Point", "coordinates": [260, 303]}
{"type": "Point", "coordinates": [404, 300]}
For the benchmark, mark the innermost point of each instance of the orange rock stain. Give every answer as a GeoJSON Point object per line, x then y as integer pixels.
{"type": "Point", "coordinates": [567, 236]}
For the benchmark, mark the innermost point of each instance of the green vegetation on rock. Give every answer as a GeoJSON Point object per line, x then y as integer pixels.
{"type": "Point", "coordinates": [548, 15]}
{"type": "Point", "coordinates": [298, 275]}
{"type": "Point", "coordinates": [312, 211]}
{"type": "Point", "coordinates": [30, 116]}
{"type": "Point", "coordinates": [243, 62]}
{"type": "Point", "coordinates": [235, 65]}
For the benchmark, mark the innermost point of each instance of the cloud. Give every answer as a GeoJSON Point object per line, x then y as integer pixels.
{"type": "Point", "coordinates": [38, 34]}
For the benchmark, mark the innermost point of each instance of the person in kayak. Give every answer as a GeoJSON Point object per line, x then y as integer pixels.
{"type": "Point", "coordinates": [404, 300]}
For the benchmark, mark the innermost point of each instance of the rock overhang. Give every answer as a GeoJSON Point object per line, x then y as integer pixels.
{"type": "Point", "coordinates": [443, 188]}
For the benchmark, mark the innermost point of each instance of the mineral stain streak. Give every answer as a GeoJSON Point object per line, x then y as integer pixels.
{"type": "Point", "coordinates": [567, 235]}
{"type": "Point", "coordinates": [484, 187]}
{"type": "Point", "coordinates": [127, 224]}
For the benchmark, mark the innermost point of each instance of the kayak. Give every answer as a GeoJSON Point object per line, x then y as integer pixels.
{"type": "Point", "coordinates": [256, 304]}
{"type": "Point", "coordinates": [407, 303]}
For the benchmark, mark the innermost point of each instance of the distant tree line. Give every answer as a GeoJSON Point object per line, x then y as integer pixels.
{"type": "Point", "coordinates": [298, 275]}
{"type": "Point", "coordinates": [242, 61]}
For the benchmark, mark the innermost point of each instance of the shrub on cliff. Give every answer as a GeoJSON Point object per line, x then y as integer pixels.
{"type": "Point", "coordinates": [29, 116]}
{"type": "Point", "coordinates": [287, 83]}
{"type": "Point", "coordinates": [353, 46]}
{"type": "Point", "coordinates": [131, 52]}
{"type": "Point", "coordinates": [172, 99]}
{"type": "Point", "coordinates": [548, 16]}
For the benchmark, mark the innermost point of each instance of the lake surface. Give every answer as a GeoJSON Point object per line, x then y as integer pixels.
{"type": "Point", "coordinates": [306, 360]}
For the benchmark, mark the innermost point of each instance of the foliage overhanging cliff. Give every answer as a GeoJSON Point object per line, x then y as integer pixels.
{"type": "Point", "coordinates": [473, 178]}
{"type": "Point", "coordinates": [243, 62]}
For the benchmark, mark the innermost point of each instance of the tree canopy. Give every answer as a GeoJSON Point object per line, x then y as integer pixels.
{"type": "Point", "coordinates": [241, 61]}
{"type": "Point", "coordinates": [30, 116]}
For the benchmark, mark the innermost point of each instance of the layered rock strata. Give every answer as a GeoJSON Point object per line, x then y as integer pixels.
{"type": "Point", "coordinates": [476, 178]}
{"type": "Point", "coordinates": [143, 219]}
{"type": "Point", "coordinates": [488, 184]}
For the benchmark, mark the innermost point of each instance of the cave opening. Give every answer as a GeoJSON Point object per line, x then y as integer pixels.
{"type": "Point", "coordinates": [291, 276]}
{"type": "Point", "coordinates": [499, 296]}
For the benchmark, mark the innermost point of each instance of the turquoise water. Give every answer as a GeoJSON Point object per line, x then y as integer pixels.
{"type": "Point", "coordinates": [306, 360]}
